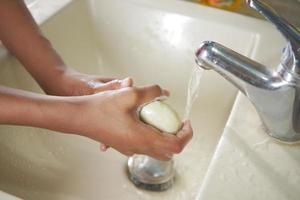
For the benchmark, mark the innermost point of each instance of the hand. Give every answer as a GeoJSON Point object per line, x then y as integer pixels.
{"type": "Point", "coordinates": [77, 84]}
{"type": "Point", "coordinates": [110, 117]}
{"type": "Point", "coordinates": [72, 83]}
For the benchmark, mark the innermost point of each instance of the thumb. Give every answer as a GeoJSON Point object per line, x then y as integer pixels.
{"type": "Point", "coordinates": [186, 133]}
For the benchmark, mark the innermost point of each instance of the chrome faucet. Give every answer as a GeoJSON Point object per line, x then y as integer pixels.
{"type": "Point", "coordinates": [274, 93]}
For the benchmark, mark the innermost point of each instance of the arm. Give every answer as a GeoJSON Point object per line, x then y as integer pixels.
{"type": "Point", "coordinates": [108, 117]}
{"type": "Point", "coordinates": [23, 38]}
{"type": "Point", "coordinates": [19, 107]}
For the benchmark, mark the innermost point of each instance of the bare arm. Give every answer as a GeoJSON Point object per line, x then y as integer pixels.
{"type": "Point", "coordinates": [23, 38]}
{"type": "Point", "coordinates": [108, 117]}
{"type": "Point", "coordinates": [21, 35]}
{"type": "Point", "coordinates": [19, 107]}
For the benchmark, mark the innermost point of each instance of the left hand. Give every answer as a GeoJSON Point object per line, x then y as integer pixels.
{"type": "Point", "coordinates": [78, 84]}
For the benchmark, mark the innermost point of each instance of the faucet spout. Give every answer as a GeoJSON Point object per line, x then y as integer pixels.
{"type": "Point", "coordinates": [238, 69]}
{"type": "Point", "coordinates": [275, 99]}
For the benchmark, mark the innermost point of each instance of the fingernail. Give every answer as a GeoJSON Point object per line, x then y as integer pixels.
{"type": "Point", "coordinates": [103, 147]}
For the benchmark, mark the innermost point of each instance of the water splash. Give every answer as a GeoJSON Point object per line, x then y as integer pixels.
{"type": "Point", "coordinates": [193, 90]}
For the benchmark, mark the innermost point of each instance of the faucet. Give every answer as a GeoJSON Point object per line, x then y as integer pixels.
{"type": "Point", "coordinates": [274, 93]}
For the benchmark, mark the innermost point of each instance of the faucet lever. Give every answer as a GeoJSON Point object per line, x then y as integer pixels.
{"type": "Point", "coordinates": [291, 33]}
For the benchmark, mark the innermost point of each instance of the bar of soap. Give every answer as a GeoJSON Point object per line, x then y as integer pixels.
{"type": "Point", "coordinates": [160, 115]}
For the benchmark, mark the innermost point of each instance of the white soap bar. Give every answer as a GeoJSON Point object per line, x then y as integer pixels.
{"type": "Point", "coordinates": [161, 116]}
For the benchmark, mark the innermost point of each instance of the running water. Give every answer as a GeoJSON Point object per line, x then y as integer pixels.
{"type": "Point", "coordinates": [193, 90]}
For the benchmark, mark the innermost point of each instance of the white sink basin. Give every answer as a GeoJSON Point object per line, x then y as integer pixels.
{"type": "Point", "coordinates": [153, 42]}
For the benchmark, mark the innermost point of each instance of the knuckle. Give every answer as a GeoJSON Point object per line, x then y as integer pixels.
{"type": "Point", "coordinates": [156, 88]}
{"type": "Point", "coordinates": [132, 95]}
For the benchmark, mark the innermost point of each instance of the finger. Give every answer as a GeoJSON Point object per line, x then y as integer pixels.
{"type": "Point", "coordinates": [149, 93]}
{"type": "Point", "coordinates": [157, 153]}
{"type": "Point", "coordinates": [104, 80]}
{"type": "Point", "coordinates": [156, 145]}
{"type": "Point", "coordinates": [176, 143]}
{"type": "Point", "coordinates": [127, 82]}
{"type": "Point", "coordinates": [112, 85]}
{"type": "Point", "coordinates": [161, 156]}
{"type": "Point", "coordinates": [164, 96]}
{"type": "Point", "coordinates": [185, 134]}
{"type": "Point", "coordinates": [165, 93]}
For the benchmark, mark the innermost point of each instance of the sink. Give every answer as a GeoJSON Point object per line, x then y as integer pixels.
{"type": "Point", "coordinates": [151, 41]}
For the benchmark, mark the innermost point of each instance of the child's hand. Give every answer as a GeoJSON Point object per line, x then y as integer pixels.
{"type": "Point", "coordinates": [78, 84]}
{"type": "Point", "coordinates": [110, 117]}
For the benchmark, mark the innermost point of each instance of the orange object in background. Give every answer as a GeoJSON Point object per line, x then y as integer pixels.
{"type": "Point", "coordinates": [223, 4]}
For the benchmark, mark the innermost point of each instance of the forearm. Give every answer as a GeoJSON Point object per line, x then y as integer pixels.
{"type": "Point", "coordinates": [22, 37]}
{"type": "Point", "coordinates": [18, 107]}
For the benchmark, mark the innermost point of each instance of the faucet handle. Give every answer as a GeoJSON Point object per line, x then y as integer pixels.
{"type": "Point", "coordinates": [291, 33]}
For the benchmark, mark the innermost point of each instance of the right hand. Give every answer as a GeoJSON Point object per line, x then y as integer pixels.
{"type": "Point", "coordinates": [110, 117]}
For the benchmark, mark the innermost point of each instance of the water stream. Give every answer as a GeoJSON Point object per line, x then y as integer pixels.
{"type": "Point", "coordinates": [192, 90]}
